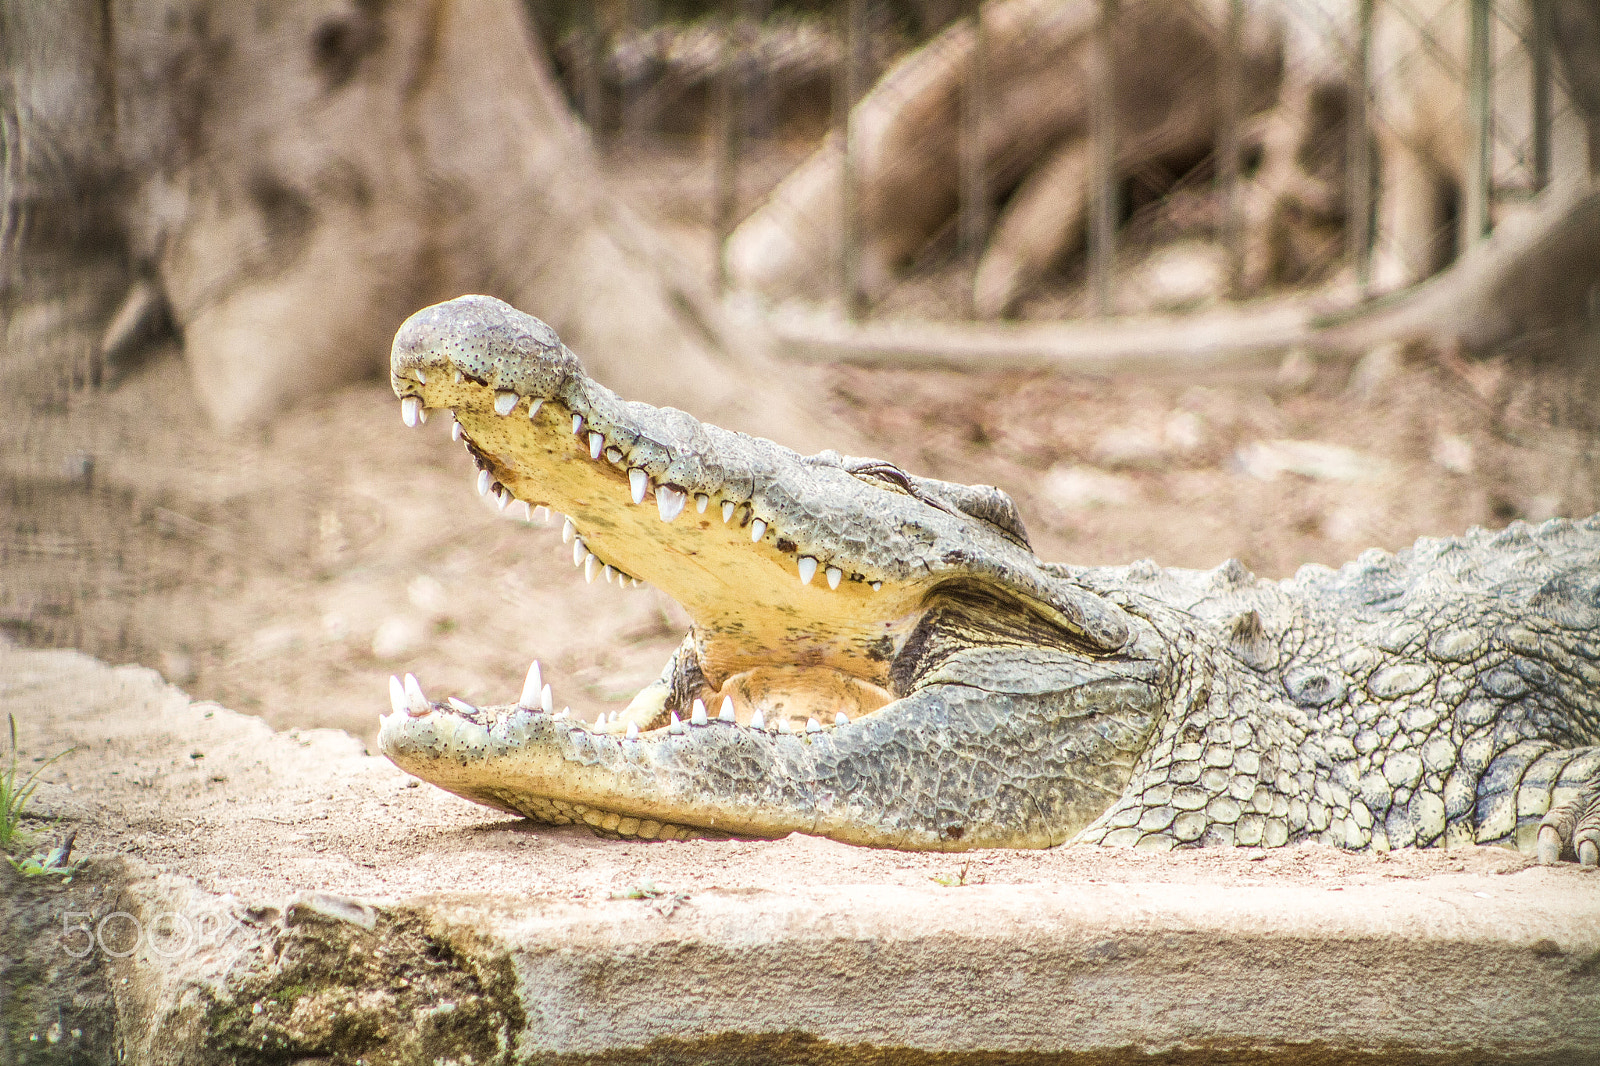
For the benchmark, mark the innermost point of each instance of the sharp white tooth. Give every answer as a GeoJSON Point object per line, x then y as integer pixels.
{"type": "Point", "coordinates": [417, 704]}
{"type": "Point", "coordinates": [633, 731]}
{"type": "Point", "coordinates": [726, 714]}
{"type": "Point", "coordinates": [580, 552]}
{"type": "Point", "coordinates": [527, 511]}
{"type": "Point", "coordinates": [808, 569]}
{"type": "Point", "coordinates": [636, 582]}
{"type": "Point", "coordinates": [397, 695]}
{"type": "Point", "coordinates": [502, 497]}
{"type": "Point", "coordinates": [411, 411]}
{"type": "Point", "coordinates": [670, 501]}
{"type": "Point", "coordinates": [540, 514]}
{"type": "Point", "coordinates": [577, 425]}
{"type": "Point", "coordinates": [606, 572]}
{"type": "Point", "coordinates": [422, 378]}
{"type": "Point", "coordinates": [591, 567]}
{"type": "Point", "coordinates": [877, 586]}
{"type": "Point", "coordinates": [676, 728]}
{"type": "Point", "coordinates": [813, 726]}
{"type": "Point", "coordinates": [841, 719]}
{"type": "Point", "coordinates": [505, 402]}
{"type": "Point", "coordinates": [783, 726]}
{"type": "Point", "coordinates": [461, 705]}
{"type": "Point", "coordinates": [758, 529]}
{"type": "Point", "coordinates": [484, 481]}
{"type": "Point", "coordinates": [638, 481]}
{"type": "Point", "coordinates": [698, 717]}
{"type": "Point", "coordinates": [599, 724]}
{"type": "Point", "coordinates": [701, 502]}
{"type": "Point", "coordinates": [613, 455]}
{"type": "Point", "coordinates": [456, 432]}
{"type": "Point", "coordinates": [460, 377]}
{"type": "Point", "coordinates": [533, 408]}
{"type": "Point", "coordinates": [563, 713]}
{"type": "Point", "coordinates": [833, 574]}
{"type": "Point", "coordinates": [727, 511]}
{"type": "Point", "coordinates": [758, 721]}
{"type": "Point", "coordinates": [568, 530]}
{"type": "Point", "coordinates": [596, 442]}
{"type": "Point", "coordinates": [530, 688]}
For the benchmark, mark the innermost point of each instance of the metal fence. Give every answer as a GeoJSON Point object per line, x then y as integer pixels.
{"type": "Point", "coordinates": [1473, 79]}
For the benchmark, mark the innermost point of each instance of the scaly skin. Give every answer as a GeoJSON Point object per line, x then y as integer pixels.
{"type": "Point", "coordinates": [895, 668]}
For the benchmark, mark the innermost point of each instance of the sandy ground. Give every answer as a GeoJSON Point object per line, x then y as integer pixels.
{"type": "Point", "coordinates": [288, 572]}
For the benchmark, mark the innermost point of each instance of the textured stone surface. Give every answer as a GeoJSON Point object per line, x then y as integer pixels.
{"type": "Point", "coordinates": [322, 889]}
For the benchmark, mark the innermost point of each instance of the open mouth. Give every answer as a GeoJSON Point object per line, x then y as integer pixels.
{"type": "Point", "coordinates": [823, 590]}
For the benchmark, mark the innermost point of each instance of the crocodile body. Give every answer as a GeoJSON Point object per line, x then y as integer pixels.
{"type": "Point", "coordinates": [881, 659]}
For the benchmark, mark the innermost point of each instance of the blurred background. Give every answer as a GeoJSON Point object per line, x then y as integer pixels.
{"type": "Point", "coordinates": [1191, 279]}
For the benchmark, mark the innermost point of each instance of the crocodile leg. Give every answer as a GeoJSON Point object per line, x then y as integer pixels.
{"type": "Point", "coordinates": [1572, 824]}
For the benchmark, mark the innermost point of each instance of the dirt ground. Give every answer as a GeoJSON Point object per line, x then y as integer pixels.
{"type": "Point", "coordinates": [289, 572]}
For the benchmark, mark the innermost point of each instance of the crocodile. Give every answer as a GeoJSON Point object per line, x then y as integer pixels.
{"type": "Point", "coordinates": [880, 658]}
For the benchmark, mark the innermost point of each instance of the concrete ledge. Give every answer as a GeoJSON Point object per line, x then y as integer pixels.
{"type": "Point", "coordinates": [336, 914]}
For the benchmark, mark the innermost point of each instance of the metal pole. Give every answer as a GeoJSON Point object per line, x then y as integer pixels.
{"type": "Point", "coordinates": [1477, 182]}
{"type": "Point", "coordinates": [974, 213]}
{"type": "Point", "coordinates": [1227, 149]}
{"type": "Point", "coordinates": [1103, 119]}
{"type": "Point", "coordinates": [1358, 193]}
{"type": "Point", "coordinates": [849, 91]}
{"type": "Point", "coordinates": [1539, 34]}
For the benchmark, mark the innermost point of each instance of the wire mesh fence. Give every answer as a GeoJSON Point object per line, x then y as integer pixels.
{"type": "Point", "coordinates": [1354, 144]}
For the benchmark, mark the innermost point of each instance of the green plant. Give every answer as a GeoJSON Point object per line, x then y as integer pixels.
{"type": "Point", "coordinates": [14, 797]}
{"type": "Point", "coordinates": [57, 862]}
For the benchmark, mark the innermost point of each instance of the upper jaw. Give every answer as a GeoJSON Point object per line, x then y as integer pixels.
{"type": "Point", "coordinates": [799, 540]}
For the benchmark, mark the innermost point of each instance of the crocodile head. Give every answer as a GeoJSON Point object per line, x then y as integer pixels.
{"type": "Point", "coordinates": [874, 656]}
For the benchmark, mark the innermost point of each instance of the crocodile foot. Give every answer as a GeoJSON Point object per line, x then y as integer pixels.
{"type": "Point", "coordinates": [1573, 826]}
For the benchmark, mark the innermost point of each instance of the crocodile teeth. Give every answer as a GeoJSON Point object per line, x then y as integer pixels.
{"type": "Point", "coordinates": [540, 514]}
{"type": "Point", "coordinates": [669, 501]}
{"type": "Point", "coordinates": [460, 377]}
{"type": "Point", "coordinates": [417, 704]}
{"type": "Point", "coordinates": [841, 719]}
{"type": "Point", "coordinates": [577, 425]}
{"type": "Point", "coordinates": [701, 502]}
{"type": "Point", "coordinates": [676, 728]}
{"type": "Point", "coordinates": [461, 705]}
{"type": "Point", "coordinates": [783, 726]}
{"type": "Point", "coordinates": [422, 378]}
{"type": "Point", "coordinates": [596, 442]}
{"type": "Point", "coordinates": [833, 575]}
{"type": "Point", "coordinates": [636, 582]}
{"type": "Point", "coordinates": [638, 481]}
{"type": "Point", "coordinates": [505, 402]}
{"type": "Point", "coordinates": [564, 712]}
{"type": "Point", "coordinates": [727, 511]}
{"type": "Point", "coordinates": [613, 455]}
{"type": "Point", "coordinates": [568, 530]}
{"type": "Point", "coordinates": [530, 688]}
{"type": "Point", "coordinates": [546, 698]}
{"type": "Point", "coordinates": [397, 695]}
{"type": "Point", "coordinates": [813, 726]}
{"type": "Point", "coordinates": [808, 569]}
{"type": "Point", "coordinates": [633, 731]}
{"type": "Point", "coordinates": [726, 714]}
{"type": "Point", "coordinates": [758, 529]}
{"type": "Point", "coordinates": [698, 717]}
{"type": "Point", "coordinates": [579, 551]}
{"type": "Point", "coordinates": [533, 408]}
{"type": "Point", "coordinates": [591, 567]}
{"type": "Point", "coordinates": [606, 572]}
{"type": "Point", "coordinates": [759, 721]}
{"type": "Point", "coordinates": [456, 432]}
{"type": "Point", "coordinates": [877, 586]}
{"type": "Point", "coordinates": [411, 411]}
{"type": "Point", "coordinates": [484, 481]}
